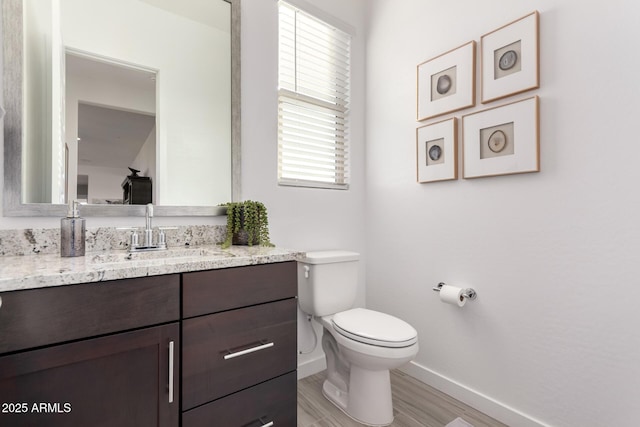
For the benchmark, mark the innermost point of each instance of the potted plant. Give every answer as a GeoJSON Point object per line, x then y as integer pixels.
{"type": "Point", "coordinates": [247, 224]}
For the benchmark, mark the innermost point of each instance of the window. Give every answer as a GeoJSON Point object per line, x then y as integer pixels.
{"type": "Point", "coordinates": [313, 101]}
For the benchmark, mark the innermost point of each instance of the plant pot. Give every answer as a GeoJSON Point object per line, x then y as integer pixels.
{"type": "Point", "coordinates": [240, 238]}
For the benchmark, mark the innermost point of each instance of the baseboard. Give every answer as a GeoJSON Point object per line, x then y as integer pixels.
{"type": "Point", "coordinates": [312, 366]}
{"type": "Point", "coordinates": [479, 401]}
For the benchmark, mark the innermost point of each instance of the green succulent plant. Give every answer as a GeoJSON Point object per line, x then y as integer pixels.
{"type": "Point", "coordinates": [247, 222]}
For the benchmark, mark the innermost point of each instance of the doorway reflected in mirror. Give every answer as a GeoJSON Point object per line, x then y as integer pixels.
{"type": "Point", "coordinates": [110, 127]}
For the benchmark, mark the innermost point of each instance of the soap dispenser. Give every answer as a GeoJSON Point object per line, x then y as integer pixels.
{"type": "Point", "coordinates": [72, 232]}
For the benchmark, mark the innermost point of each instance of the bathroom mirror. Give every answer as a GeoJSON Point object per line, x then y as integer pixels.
{"type": "Point", "coordinates": [187, 38]}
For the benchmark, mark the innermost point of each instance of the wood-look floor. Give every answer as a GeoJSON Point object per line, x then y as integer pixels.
{"type": "Point", "coordinates": [415, 404]}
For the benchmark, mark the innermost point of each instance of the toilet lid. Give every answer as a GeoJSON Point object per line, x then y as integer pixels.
{"type": "Point", "coordinates": [375, 328]}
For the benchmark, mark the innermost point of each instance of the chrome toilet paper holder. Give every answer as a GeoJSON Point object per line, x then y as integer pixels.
{"type": "Point", "coordinates": [468, 293]}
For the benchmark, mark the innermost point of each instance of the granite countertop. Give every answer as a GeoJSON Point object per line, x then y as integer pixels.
{"type": "Point", "coordinates": [39, 271]}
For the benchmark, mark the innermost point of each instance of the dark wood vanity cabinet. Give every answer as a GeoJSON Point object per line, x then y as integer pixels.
{"type": "Point", "coordinates": [208, 348]}
{"type": "Point", "coordinates": [100, 354]}
{"type": "Point", "coordinates": [239, 346]}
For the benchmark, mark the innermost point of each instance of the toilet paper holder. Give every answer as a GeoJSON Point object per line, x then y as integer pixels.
{"type": "Point", "coordinates": [468, 293]}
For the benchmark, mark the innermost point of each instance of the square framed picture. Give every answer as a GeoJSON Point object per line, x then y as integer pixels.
{"type": "Point", "coordinates": [510, 59]}
{"type": "Point", "coordinates": [502, 140]}
{"type": "Point", "coordinates": [437, 153]}
{"type": "Point", "coordinates": [446, 83]}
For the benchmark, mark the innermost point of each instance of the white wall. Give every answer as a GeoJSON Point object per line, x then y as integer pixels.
{"type": "Point", "coordinates": [104, 182]}
{"type": "Point", "coordinates": [300, 218]}
{"type": "Point", "coordinates": [553, 335]}
{"type": "Point", "coordinates": [145, 161]}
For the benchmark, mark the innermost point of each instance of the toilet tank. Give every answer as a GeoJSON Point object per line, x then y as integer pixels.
{"type": "Point", "coordinates": [327, 282]}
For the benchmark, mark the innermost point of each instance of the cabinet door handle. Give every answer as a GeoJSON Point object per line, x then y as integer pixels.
{"type": "Point", "coordinates": [170, 371]}
{"type": "Point", "coordinates": [247, 351]}
{"type": "Point", "coordinates": [269, 424]}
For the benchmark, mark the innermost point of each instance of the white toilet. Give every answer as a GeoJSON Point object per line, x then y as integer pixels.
{"type": "Point", "coordinates": [360, 345]}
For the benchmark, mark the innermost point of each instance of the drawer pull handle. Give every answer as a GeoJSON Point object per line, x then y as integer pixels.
{"type": "Point", "coordinates": [170, 371]}
{"type": "Point", "coordinates": [269, 424]}
{"type": "Point", "coordinates": [247, 351]}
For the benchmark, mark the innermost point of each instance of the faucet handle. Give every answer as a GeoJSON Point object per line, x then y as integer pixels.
{"type": "Point", "coordinates": [162, 238]}
{"type": "Point", "coordinates": [134, 240]}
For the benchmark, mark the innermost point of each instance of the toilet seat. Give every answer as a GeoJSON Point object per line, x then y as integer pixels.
{"type": "Point", "coordinates": [374, 328]}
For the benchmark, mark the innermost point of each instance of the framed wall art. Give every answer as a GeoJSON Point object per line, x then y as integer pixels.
{"type": "Point", "coordinates": [446, 83]}
{"type": "Point", "coordinates": [510, 59]}
{"type": "Point", "coordinates": [502, 140]}
{"type": "Point", "coordinates": [437, 153]}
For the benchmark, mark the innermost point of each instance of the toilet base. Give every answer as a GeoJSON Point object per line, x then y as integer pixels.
{"type": "Point", "coordinates": [368, 400]}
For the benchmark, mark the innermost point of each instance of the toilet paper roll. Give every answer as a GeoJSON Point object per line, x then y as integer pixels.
{"type": "Point", "coordinates": [452, 295]}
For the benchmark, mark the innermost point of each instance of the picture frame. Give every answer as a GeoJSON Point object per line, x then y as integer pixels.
{"type": "Point", "coordinates": [502, 140]}
{"type": "Point", "coordinates": [510, 59]}
{"type": "Point", "coordinates": [437, 151]}
{"type": "Point", "coordinates": [446, 83]}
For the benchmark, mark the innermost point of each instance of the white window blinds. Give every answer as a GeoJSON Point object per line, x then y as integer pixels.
{"type": "Point", "coordinates": [313, 101]}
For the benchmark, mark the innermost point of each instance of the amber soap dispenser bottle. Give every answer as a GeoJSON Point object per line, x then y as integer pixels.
{"type": "Point", "coordinates": [72, 232]}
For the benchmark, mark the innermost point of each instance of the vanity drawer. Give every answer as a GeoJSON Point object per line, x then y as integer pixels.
{"type": "Point", "coordinates": [37, 317]}
{"type": "Point", "coordinates": [272, 401]}
{"type": "Point", "coordinates": [212, 291]}
{"type": "Point", "coordinates": [259, 343]}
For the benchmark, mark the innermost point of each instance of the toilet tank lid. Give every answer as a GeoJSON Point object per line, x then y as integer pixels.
{"type": "Point", "coordinates": [326, 257]}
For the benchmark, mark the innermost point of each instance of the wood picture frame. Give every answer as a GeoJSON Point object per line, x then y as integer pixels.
{"type": "Point", "coordinates": [502, 140]}
{"type": "Point", "coordinates": [437, 151]}
{"type": "Point", "coordinates": [446, 83]}
{"type": "Point", "coordinates": [510, 59]}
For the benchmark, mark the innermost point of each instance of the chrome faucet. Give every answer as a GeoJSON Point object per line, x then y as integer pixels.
{"type": "Point", "coordinates": [148, 244]}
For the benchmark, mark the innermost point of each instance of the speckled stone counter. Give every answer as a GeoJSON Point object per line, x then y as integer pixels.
{"type": "Point", "coordinates": [46, 270]}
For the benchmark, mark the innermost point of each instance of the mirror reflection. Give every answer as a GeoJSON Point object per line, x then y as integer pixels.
{"type": "Point", "coordinates": [111, 113]}
{"type": "Point", "coordinates": [127, 97]}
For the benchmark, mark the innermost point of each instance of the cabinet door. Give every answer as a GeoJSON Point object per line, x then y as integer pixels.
{"type": "Point", "coordinates": [125, 380]}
